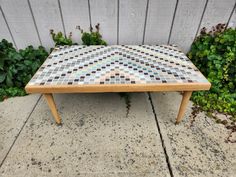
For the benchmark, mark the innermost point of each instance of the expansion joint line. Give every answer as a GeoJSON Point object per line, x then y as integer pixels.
{"type": "Point", "coordinates": [20, 132]}
{"type": "Point", "coordinates": [161, 137]}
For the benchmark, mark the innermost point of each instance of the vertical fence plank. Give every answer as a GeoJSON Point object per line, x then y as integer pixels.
{"type": "Point", "coordinates": [217, 11]}
{"type": "Point", "coordinates": [105, 13]}
{"type": "Point", "coordinates": [20, 21]}
{"type": "Point", "coordinates": [131, 21]}
{"type": "Point", "coordinates": [160, 15]}
{"type": "Point", "coordinates": [186, 22]}
{"type": "Point", "coordinates": [4, 32]}
{"type": "Point", "coordinates": [232, 21]}
{"type": "Point", "coordinates": [47, 16]}
{"type": "Point", "coordinates": [75, 13]}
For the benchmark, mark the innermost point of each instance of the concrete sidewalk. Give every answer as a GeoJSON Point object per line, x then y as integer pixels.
{"type": "Point", "coordinates": [98, 140]}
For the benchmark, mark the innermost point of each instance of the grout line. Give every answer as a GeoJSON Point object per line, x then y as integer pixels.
{"type": "Point", "coordinates": [161, 137]}
{"type": "Point", "coordinates": [145, 22]}
{"type": "Point", "coordinates": [34, 21]}
{"type": "Point", "coordinates": [231, 14]}
{"type": "Point", "coordinates": [62, 19]}
{"type": "Point", "coordinates": [203, 13]}
{"type": "Point", "coordinates": [118, 20]}
{"type": "Point", "coordinates": [8, 27]}
{"type": "Point", "coordinates": [20, 131]}
{"type": "Point", "coordinates": [90, 18]}
{"type": "Point", "coordinates": [173, 19]}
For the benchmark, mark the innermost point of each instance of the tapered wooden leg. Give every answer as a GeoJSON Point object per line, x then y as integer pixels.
{"type": "Point", "coordinates": [53, 108]}
{"type": "Point", "coordinates": [183, 105]}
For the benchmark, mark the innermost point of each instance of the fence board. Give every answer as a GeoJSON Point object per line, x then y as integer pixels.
{"type": "Point", "coordinates": [4, 32]}
{"type": "Point", "coordinates": [105, 13]}
{"type": "Point", "coordinates": [122, 22]}
{"type": "Point", "coordinates": [20, 21]}
{"type": "Point", "coordinates": [232, 21]}
{"type": "Point", "coordinates": [159, 19]}
{"type": "Point", "coordinates": [186, 22]}
{"type": "Point", "coordinates": [75, 13]}
{"type": "Point", "coordinates": [47, 16]}
{"type": "Point", "coordinates": [217, 11]}
{"type": "Point", "coordinates": [131, 21]}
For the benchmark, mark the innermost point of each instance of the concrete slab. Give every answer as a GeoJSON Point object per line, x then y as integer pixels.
{"type": "Point", "coordinates": [13, 114]}
{"type": "Point", "coordinates": [96, 139]}
{"type": "Point", "coordinates": [197, 150]}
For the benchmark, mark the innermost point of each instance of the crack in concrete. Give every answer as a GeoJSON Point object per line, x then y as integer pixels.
{"type": "Point", "coordinates": [161, 137]}
{"type": "Point", "coordinates": [20, 132]}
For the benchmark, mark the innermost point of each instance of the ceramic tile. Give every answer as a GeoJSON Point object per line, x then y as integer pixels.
{"type": "Point", "coordinates": [116, 64]}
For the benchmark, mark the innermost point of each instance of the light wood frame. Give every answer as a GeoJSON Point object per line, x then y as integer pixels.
{"type": "Point", "coordinates": [52, 106]}
{"type": "Point", "coordinates": [95, 88]}
{"type": "Point", "coordinates": [187, 88]}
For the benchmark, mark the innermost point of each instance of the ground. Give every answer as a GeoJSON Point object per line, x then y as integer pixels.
{"type": "Point", "coordinates": [97, 139]}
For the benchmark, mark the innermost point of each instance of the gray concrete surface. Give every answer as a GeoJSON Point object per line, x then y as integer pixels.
{"type": "Point", "coordinates": [98, 140]}
{"type": "Point", "coordinates": [13, 113]}
{"type": "Point", "coordinates": [196, 149]}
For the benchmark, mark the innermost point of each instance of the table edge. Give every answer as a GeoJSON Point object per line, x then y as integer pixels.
{"type": "Point", "coordinates": [96, 88]}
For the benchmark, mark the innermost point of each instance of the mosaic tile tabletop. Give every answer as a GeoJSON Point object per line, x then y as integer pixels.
{"type": "Point", "coordinates": [116, 64]}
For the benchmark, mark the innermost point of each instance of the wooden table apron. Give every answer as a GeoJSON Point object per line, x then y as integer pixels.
{"type": "Point", "coordinates": [75, 64]}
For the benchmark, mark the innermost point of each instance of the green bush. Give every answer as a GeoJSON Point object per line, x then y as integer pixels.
{"type": "Point", "coordinates": [92, 37]}
{"type": "Point", "coordinates": [88, 38]}
{"type": "Point", "coordinates": [214, 53]}
{"type": "Point", "coordinates": [60, 39]}
{"type": "Point", "coordinates": [11, 92]}
{"type": "Point", "coordinates": [17, 67]}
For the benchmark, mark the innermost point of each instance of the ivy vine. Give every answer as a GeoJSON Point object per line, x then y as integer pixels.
{"type": "Point", "coordinates": [214, 53]}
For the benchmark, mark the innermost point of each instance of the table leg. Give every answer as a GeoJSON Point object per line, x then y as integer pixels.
{"type": "Point", "coordinates": [53, 108]}
{"type": "Point", "coordinates": [183, 105]}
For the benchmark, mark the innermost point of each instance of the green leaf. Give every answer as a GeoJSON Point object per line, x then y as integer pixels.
{"type": "Point", "coordinates": [28, 62]}
{"type": "Point", "coordinates": [2, 76]}
{"type": "Point", "coordinates": [3, 57]}
{"type": "Point", "coordinates": [1, 64]}
{"type": "Point", "coordinates": [9, 81]}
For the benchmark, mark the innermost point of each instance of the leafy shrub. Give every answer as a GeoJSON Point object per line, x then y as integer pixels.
{"type": "Point", "coordinates": [88, 38]}
{"type": "Point", "coordinates": [60, 39]}
{"type": "Point", "coordinates": [17, 67]}
{"type": "Point", "coordinates": [92, 37]}
{"type": "Point", "coordinates": [214, 53]}
{"type": "Point", "coordinates": [11, 92]}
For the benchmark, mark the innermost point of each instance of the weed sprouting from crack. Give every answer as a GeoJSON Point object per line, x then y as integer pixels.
{"type": "Point", "coordinates": [127, 98]}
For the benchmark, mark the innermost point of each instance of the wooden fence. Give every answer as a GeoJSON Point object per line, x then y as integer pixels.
{"type": "Point", "coordinates": [27, 22]}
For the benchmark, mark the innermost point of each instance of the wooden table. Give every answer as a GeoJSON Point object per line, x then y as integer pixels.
{"type": "Point", "coordinates": [117, 68]}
